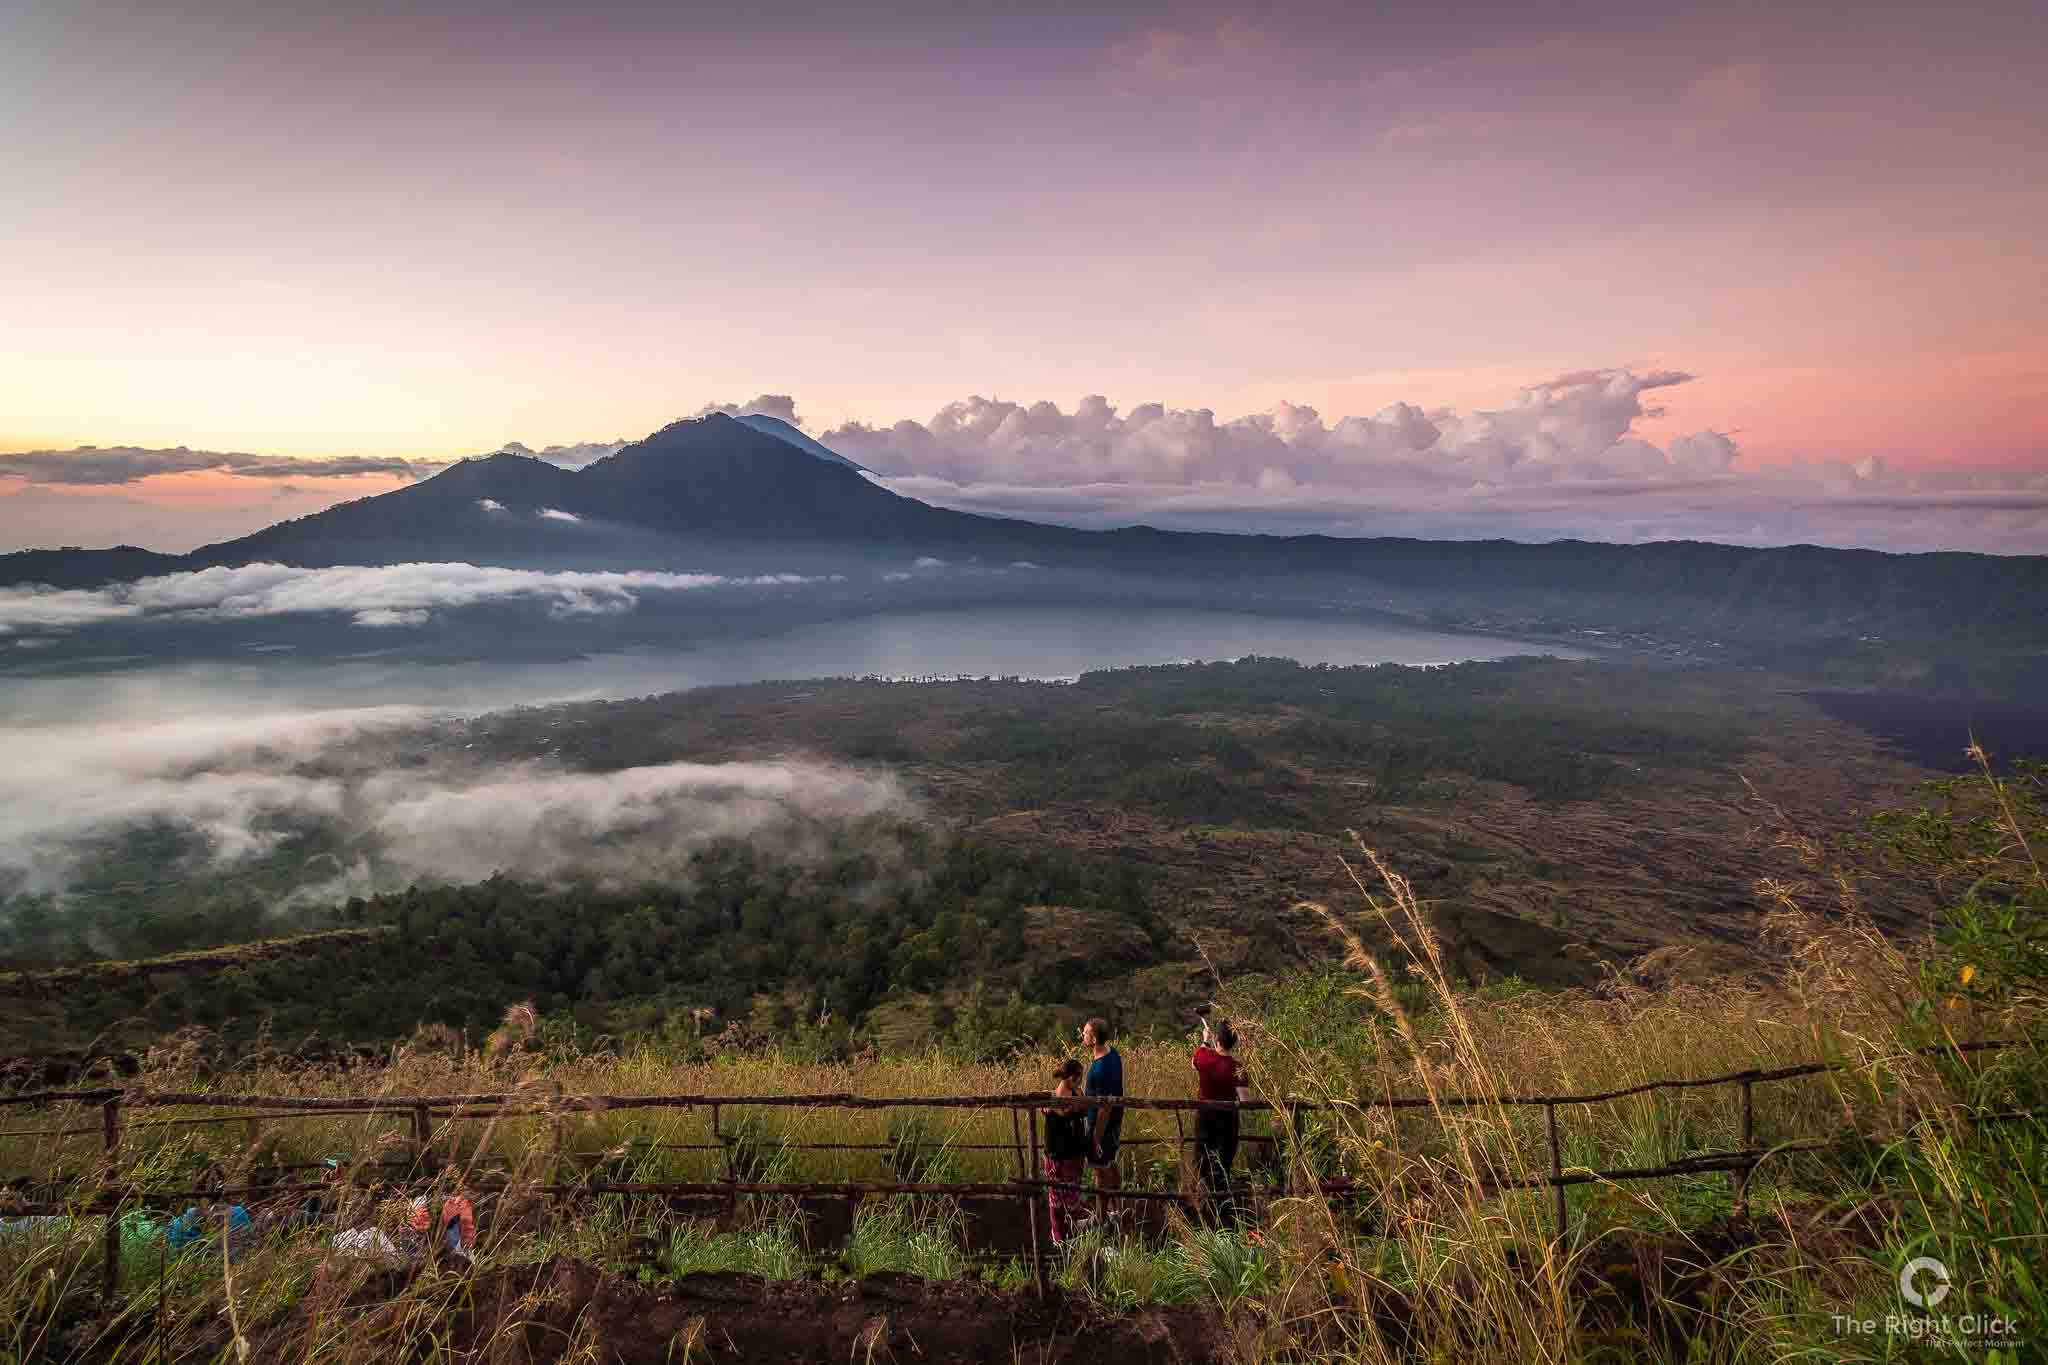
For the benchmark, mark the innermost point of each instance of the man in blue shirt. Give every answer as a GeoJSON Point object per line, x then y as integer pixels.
{"type": "Point", "coordinates": [1105, 1122]}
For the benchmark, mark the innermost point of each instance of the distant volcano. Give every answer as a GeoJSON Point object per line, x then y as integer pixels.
{"type": "Point", "coordinates": [713, 477]}
{"type": "Point", "coordinates": [717, 484]}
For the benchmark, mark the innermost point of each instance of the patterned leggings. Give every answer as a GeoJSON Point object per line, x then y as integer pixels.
{"type": "Point", "coordinates": [1064, 1198]}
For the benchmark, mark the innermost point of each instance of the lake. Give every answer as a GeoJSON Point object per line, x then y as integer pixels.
{"type": "Point", "coordinates": [996, 640]}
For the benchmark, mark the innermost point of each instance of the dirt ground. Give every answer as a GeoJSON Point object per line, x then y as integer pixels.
{"type": "Point", "coordinates": [571, 1310]}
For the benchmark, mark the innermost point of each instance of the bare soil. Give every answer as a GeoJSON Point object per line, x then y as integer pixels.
{"type": "Point", "coordinates": [567, 1309]}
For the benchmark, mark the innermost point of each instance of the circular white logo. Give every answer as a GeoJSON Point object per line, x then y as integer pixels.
{"type": "Point", "coordinates": [1912, 1293]}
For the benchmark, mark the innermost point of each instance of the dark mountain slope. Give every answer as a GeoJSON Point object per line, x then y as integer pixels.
{"type": "Point", "coordinates": [1737, 581]}
{"type": "Point", "coordinates": [720, 475]}
{"type": "Point", "coordinates": [775, 426]}
{"type": "Point", "coordinates": [709, 478]}
{"type": "Point", "coordinates": [72, 567]}
{"type": "Point", "coordinates": [439, 518]}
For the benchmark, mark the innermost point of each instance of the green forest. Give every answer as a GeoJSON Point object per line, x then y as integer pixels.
{"type": "Point", "coordinates": [1107, 845]}
{"type": "Point", "coordinates": [886, 907]}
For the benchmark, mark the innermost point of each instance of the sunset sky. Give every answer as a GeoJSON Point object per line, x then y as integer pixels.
{"type": "Point", "coordinates": [421, 231]}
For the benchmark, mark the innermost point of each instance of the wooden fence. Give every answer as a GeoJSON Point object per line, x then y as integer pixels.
{"type": "Point", "coordinates": [103, 1193]}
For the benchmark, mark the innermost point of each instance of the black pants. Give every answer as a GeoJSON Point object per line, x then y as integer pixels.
{"type": "Point", "coordinates": [1215, 1153]}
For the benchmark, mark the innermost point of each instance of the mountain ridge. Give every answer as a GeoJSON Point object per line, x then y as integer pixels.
{"type": "Point", "coordinates": [702, 484]}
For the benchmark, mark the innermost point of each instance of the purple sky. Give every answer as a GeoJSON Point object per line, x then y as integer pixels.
{"type": "Point", "coordinates": [420, 231]}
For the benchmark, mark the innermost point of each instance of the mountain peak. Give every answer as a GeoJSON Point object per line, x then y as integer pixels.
{"type": "Point", "coordinates": [722, 474]}
{"type": "Point", "coordinates": [474, 466]}
{"type": "Point", "coordinates": [784, 431]}
{"type": "Point", "coordinates": [711, 420]}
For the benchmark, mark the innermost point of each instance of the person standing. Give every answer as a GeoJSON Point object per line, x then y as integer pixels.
{"type": "Point", "coordinates": [1105, 1121]}
{"type": "Point", "coordinates": [1066, 1145]}
{"type": "Point", "coordinates": [1218, 1079]}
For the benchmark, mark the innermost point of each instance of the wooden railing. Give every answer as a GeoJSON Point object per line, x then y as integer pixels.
{"type": "Point", "coordinates": [103, 1194]}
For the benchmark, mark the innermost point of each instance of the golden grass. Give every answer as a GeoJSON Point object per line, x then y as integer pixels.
{"type": "Point", "coordinates": [1434, 1263]}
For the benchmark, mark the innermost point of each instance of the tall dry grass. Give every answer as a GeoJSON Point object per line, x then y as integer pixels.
{"type": "Point", "coordinates": [1453, 1264]}
{"type": "Point", "coordinates": [1441, 1253]}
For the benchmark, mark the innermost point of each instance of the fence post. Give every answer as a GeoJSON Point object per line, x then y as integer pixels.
{"type": "Point", "coordinates": [1017, 1138]}
{"type": "Point", "coordinates": [1741, 1177]}
{"type": "Point", "coordinates": [1556, 1171]}
{"type": "Point", "coordinates": [110, 1130]}
{"type": "Point", "coordinates": [423, 1134]}
{"type": "Point", "coordinates": [732, 1198]}
{"type": "Point", "coordinates": [1031, 1209]}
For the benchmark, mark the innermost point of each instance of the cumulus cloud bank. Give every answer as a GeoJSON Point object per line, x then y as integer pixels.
{"type": "Point", "coordinates": [779, 405]}
{"type": "Point", "coordinates": [393, 595]}
{"type": "Point", "coordinates": [1576, 426]}
{"type": "Point", "coordinates": [240, 790]}
{"type": "Point", "coordinates": [1563, 459]}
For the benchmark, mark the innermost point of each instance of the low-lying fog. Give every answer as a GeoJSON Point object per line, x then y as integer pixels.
{"type": "Point", "coordinates": [377, 798]}
{"type": "Point", "coordinates": [240, 723]}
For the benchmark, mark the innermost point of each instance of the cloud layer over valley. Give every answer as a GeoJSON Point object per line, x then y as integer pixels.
{"type": "Point", "coordinates": [359, 800]}
{"type": "Point", "coordinates": [394, 595]}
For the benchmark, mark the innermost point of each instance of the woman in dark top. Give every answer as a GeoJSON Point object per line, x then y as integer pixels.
{"type": "Point", "coordinates": [1218, 1078]}
{"type": "Point", "coordinates": [1066, 1143]}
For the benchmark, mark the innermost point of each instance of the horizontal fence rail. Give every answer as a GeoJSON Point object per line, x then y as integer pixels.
{"type": "Point", "coordinates": [599, 1103]}
{"type": "Point", "coordinates": [98, 1192]}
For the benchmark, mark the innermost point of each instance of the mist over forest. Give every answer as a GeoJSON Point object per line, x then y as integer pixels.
{"type": "Point", "coordinates": [406, 717]}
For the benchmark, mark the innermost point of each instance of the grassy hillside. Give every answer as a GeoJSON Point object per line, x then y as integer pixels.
{"type": "Point", "coordinates": [1914, 1149]}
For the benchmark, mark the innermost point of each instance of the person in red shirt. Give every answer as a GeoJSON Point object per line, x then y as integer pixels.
{"type": "Point", "coordinates": [1218, 1078]}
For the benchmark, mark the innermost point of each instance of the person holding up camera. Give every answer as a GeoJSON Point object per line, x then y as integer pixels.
{"type": "Point", "coordinates": [1218, 1078]}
